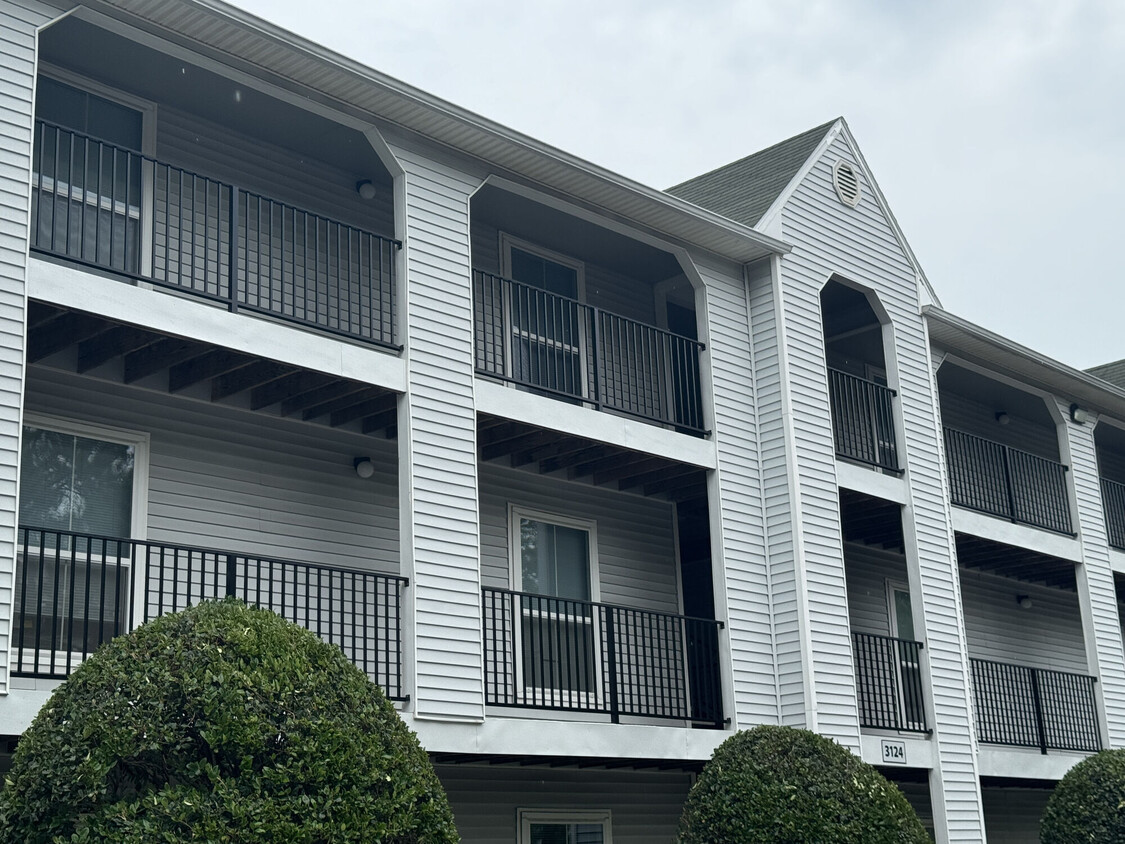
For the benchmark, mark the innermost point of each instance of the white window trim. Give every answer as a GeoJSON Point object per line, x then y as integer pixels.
{"type": "Point", "coordinates": [91, 430]}
{"type": "Point", "coordinates": [147, 109]}
{"type": "Point", "coordinates": [507, 242]}
{"type": "Point", "coordinates": [526, 817]}
{"type": "Point", "coordinates": [516, 512]}
{"type": "Point", "coordinates": [140, 441]}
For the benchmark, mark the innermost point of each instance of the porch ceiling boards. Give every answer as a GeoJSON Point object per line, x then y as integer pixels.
{"type": "Point", "coordinates": [1017, 563]}
{"type": "Point", "coordinates": [536, 449]}
{"type": "Point", "coordinates": [131, 355]}
{"type": "Point", "coordinates": [871, 521]}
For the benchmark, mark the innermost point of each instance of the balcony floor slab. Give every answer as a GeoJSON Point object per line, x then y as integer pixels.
{"type": "Point", "coordinates": [1021, 536]}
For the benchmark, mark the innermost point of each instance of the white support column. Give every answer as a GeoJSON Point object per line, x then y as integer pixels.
{"type": "Point", "coordinates": [19, 24]}
{"type": "Point", "coordinates": [1097, 598]}
{"type": "Point", "coordinates": [437, 441]}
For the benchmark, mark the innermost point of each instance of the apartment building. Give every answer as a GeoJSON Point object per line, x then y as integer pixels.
{"type": "Point", "coordinates": [585, 474]}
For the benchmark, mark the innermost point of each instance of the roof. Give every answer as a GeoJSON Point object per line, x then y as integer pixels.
{"type": "Point", "coordinates": [745, 189]}
{"type": "Point", "coordinates": [260, 49]}
{"type": "Point", "coordinates": [1114, 372]}
{"type": "Point", "coordinates": [979, 345]}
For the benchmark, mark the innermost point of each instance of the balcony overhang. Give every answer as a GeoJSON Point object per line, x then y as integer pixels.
{"type": "Point", "coordinates": [100, 346]}
{"type": "Point", "coordinates": [1021, 564]}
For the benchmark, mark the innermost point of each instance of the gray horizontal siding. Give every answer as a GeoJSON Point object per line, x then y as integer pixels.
{"type": "Point", "coordinates": [636, 552]}
{"type": "Point", "coordinates": [1048, 635]}
{"type": "Point", "coordinates": [613, 291]}
{"type": "Point", "coordinates": [980, 420]}
{"type": "Point", "coordinates": [645, 807]}
{"type": "Point", "coordinates": [1012, 815]}
{"type": "Point", "coordinates": [868, 573]}
{"type": "Point", "coordinates": [269, 169]}
{"type": "Point", "coordinates": [17, 80]}
{"type": "Point", "coordinates": [244, 482]}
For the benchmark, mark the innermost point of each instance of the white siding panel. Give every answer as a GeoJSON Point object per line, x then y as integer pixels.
{"type": "Point", "coordinates": [1097, 594]}
{"type": "Point", "coordinates": [17, 79]}
{"type": "Point", "coordinates": [645, 806]}
{"type": "Point", "coordinates": [860, 245]}
{"type": "Point", "coordinates": [736, 500]}
{"type": "Point", "coordinates": [869, 569]}
{"type": "Point", "coordinates": [437, 435]}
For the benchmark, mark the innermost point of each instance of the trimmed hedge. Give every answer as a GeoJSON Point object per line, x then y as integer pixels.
{"type": "Point", "coordinates": [226, 724]}
{"type": "Point", "coordinates": [778, 785]}
{"type": "Point", "coordinates": [1088, 804]}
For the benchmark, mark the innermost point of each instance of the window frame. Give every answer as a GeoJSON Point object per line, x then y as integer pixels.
{"type": "Point", "coordinates": [903, 666]}
{"type": "Point", "coordinates": [138, 529]}
{"type": "Point", "coordinates": [147, 110]}
{"type": "Point", "coordinates": [526, 817]}
{"type": "Point", "coordinates": [546, 695]}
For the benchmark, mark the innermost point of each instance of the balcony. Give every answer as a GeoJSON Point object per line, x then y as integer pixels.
{"type": "Point", "coordinates": [863, 421]}
{"type": "Point", "coordinates": [1113, 503]}
{"type": "Point", "coordinates": [560, 347]}
{"type": "Point", "coordinates": [577, 656]}
{"type": "Point", "coordinates": [1034, 707]}
{"type": "Point", "coordinates": [75, 591]}
{"type": "Point", "coordinates": [999, 480]}
{"type": "Point", "coordinates": [889, 683]}
{"type": "Point", "coordinates": [112, 209]}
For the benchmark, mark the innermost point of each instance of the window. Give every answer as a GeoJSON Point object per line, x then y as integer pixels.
{"type": "Point", "coordinates": [555, 562]}
{"type": "Point", "coordinates": [539, 826]}
{"type": "Point", "coordinates": [909, 670]}
{"type": "Point", "coordinates": [547, 322]}
{"type": "Point", "coordinates": [88, 179]}
{"type": "Point", "coordinates": [80, 490]}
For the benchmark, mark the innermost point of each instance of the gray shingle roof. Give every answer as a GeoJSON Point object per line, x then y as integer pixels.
{"type": "Point", "coordinates": [1114, 372]}
{"type": "Point", "coordinates": [745, 189]}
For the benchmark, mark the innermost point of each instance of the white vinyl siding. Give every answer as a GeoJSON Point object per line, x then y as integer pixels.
{"type": "Point", "coordinates": [437, 438]}
{"type": "Point", "coordinates": [862, 246]}
{"type": "Point", "coordinates": [645, 806]}
{"type": "Point", "coordinates": [230, 480]}
{"type": "Point", "coordinates": [17, 80]}
{"type": "Point", "coordinates": [869, 570]}
{"type": "Point", "coordinates": [740, 550]}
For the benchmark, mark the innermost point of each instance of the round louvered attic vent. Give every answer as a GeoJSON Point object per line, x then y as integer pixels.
{"type": "Point", "coordinates": [845, 178]}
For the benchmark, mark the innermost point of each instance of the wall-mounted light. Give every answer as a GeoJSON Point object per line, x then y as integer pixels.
{"type": "Point", "coordinates": [364, 467]}
{"type": "Point", "coordinates": [1079, 416]}
{"type": "Point", "coordinates": [1002, 418]}
{"type": "Point", "coordinates": [365, 189]}
{"type": "Point", "coordinates": [1024, 601]}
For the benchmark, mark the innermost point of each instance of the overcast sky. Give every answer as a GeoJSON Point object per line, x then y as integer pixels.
{"type": "Point", "coordinates": [996, 128]}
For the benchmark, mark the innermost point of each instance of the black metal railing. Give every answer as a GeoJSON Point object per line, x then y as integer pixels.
{"type": "Point", "coordinates": [863, 420]}
{"type": "Point", "coordinates": [554, 653]}
{"type": "Point", "coordinates": [75, 591]}
{"type": "Point", "coordinates": [577, 352]}
{"type": "Point", "coordinates": [1003, 481]}
{"type": "Point", "coordinates": [889, 683]}
{"type": "Point", "coordinates": [108, 207]}
{"type": "Point", "coordinates": [1113, 503]}
{"type": "Point", "coordinates": [1034, 707]}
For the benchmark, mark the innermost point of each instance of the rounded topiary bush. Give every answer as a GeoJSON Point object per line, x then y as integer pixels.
{"type": "Point", "coordinates": [1088, 804]}
{"type": "Point", "coordinates": [778, 785]}
{"type": "Point", "coordinates": [227, 724]}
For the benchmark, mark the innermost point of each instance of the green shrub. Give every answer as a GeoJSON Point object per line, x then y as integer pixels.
{"type": "Point", "coordinates": [778, 785]}
{"type": "Point", "coordinates": [226, 724]}
{"type": "Point", "coordinates": [1088, 804]}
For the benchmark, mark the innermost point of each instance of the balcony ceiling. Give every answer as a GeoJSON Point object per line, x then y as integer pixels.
{"type": "Point", "coordinates": [535, 449]}
{"type": "Point", "coordinates": [871, 521]}
{"type": "Point", "coordinates": [1020, 564]}
{"type": "Point", "coordinates": [583, 762]}
{"type": "Point", "coordinates": [83, 343]}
